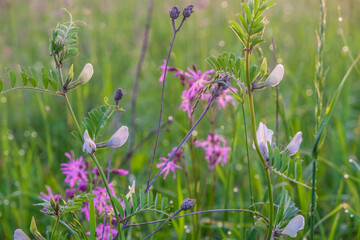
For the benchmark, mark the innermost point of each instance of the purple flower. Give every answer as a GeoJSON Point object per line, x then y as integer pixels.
{"type": "Point", "coordinates": [70, 192]}
{"type": "Point", "coordinates": [75, 170]}
{"type": "Point", "coordinates": [47, 197]}
{"type": "Point", "coordinates": [102, 198]}
{"type": "Point", "coordinates": [215, 149]}
{"type": "Point", "coordinates": [120, 172]}
{"type": "Point", "coordinates": [109, 231]}
{"type": "Point", "coordinates": [169, 69]}
{"type": "Point", "coordinates": [171, 166]}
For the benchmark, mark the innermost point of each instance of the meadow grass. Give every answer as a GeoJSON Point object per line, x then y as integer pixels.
{"type": "Point", "coordinates": [34, 129]}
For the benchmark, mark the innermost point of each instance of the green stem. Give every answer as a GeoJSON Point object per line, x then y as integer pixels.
{"type": "Point", "coordinates": [54, 228]}
{"type": "Point", "coordinates": [248, 160]}
{"type": "Point", "coordinates": [313, 196]}
{"type": "Point", "coordinates": [35, 89]}
{"type": "Point", "coordinates": [253, 129]}
{"type": "Point", "coordinates": [98, 166]}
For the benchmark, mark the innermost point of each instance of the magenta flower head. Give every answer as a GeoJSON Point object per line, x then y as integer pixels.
{"type": "Point", "coordinates": [216, 150]}
{"type": "Point", "coordinates": [47, 197]}
{"type": "Point", "coordinates": [171, 166]}
{"type": "Point", "coordinates": [264, 135]}
{"type": "Point", "coordinates": [74, 170]}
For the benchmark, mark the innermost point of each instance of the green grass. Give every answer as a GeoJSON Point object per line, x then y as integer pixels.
{"type": "Point", "coordinates": [35, 128]}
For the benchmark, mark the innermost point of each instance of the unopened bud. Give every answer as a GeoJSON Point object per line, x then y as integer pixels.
{"type": "Point", "coordinates": [188, 11]}
{"type": "Point", "coordinates": [174, 13]}
{"type": "Point", "coordinates": [118, 95]}
{"type": "Point", "coordinates": [187, 204]}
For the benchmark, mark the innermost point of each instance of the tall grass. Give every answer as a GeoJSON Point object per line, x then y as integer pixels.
{"type": "Point", "coordinates": [32, 126]}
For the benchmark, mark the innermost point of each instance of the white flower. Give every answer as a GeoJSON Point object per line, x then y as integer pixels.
{"type": "Point", "coordinates": [294, 144]}
{"type": "Point", "coordinates": [275, 76]}
{"type": "Point", "coordinates": [264, 135]}
{"type": "Point", "coordinates": [86, 74]}
{"type": "Point", "coordinates": [295, 225]}
{"type": "Point", "coordinates": [119, 137]}
{"type": "Point", "coordinates": [20, 235]}
{"type": "Point", "coordinates": [89, 145]}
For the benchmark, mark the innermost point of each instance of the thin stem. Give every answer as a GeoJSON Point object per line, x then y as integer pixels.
{"type": "Point", "coordinates": [54, 228]}
{"type": "Point", "coordinates": [202, 212]}
{"type": "Point", "coordinates": [248, 159]}
{"type": "Point", "coordinates": [35, 89]}
{"type": "Point", "coordinates": [137, 76]}
{"type": "Point", "coordinates": [313, 197]}
{"type": "Point", "coordinates": [181, 143]}
{"type": "Point", "coordinates": [162, 99]}
{"type": "Point", "coordinates": [253, 128]}
{"type": "Point", "coordinates": [162, 225]}
{"type": "Point", "coordinates": [98, 166]}
{"type": "Point", "coordinates": [277, 96]}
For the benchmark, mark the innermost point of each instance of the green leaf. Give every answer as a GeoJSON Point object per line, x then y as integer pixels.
{"type": "Point", "coordinates": [142, 199]}
{"type": "Point", "coordinates": [92, 219]}
{"type": "Point", "coordinates": [12, 77]}
{"type": "Point", "coordinates": [117, 205]}
{"type": "Point", "coordinates": [71, 52]}
{"type": "Point", "coordinates": [34, 80]}
{"type": "Point", "coordinates": [265, 6]}
{"type": "Point", "coordinates": [244, 23]}
{"type": "Point", "coordinates": [134, 202]}
{"type": "Point", "coordinates": [330, 109]}
{"type": "Point", "coordinates": [164, 203]}
{"type": "Point", "coordinates": [1, 84]}
{"type": "Point", "coordinates": [127, 205]}
{"type": "Point", "coordinates": [23, 75]}
{"type": "Point", "coordinates": [45, 77]}
{"type": "Point", "coordinates": [247, 12]}
{"type": "Point", "coordinates": [257, 29]}
{"type": "Point", "coordinates": [238, 31]}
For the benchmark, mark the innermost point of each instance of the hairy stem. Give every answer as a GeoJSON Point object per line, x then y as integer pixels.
{"type": "Point", "coordinates": [54, 228]}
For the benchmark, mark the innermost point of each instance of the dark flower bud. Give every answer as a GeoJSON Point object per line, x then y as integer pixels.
{"type": "Point", "coordinates": [188, 11]}
{"type": "Point", "coordinates": [174, 13]}
{"type": "Point", "coordinates": [118, 95]}
{"type": "Point", "coordinates": [187, 204]}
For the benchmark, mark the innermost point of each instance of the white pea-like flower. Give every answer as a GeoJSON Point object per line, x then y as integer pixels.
{"type": "Point", "coordinates": [294, 144]}
{"type": "Point", "coordinates": [89, 145]}
{"type": "Point", "coordinates": [296, 224]}
{"type": "Point", "coordinates": [263, 135]}
{"type": "Point", "coordinates": [275, 76]}
{"type": "Point", "coordinates": [86, 73]}
{"type": "Point", "coordinates": [20, 235]}
{"type": "Point", "coordinates": [118, 138]}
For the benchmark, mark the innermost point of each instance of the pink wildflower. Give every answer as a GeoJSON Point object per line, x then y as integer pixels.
{"type": "Point", "coordinates": [75, 170]}
{"type": "Point", "coordinates": [171, 166]}
{"type": "Point", "coordinates": [47, 197]}
{"type": "Point", "coordinates": [215, 149]}
{"type": "Point", "coordinates": [109, 232]}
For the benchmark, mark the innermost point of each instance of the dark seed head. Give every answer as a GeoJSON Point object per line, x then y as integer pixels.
{"type": "Point", "coordinates": [118, 95]}
{"type": "Point", "coordinates": [188, 11]}
{"type": "Point", "coordinates": [174, 13]}
{"type": "Point", "coordinates": [187, 204]}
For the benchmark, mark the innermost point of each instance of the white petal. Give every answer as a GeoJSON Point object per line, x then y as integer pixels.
{"type": "Point", "coordinates": [263, 135]}
{"type": "Point", "coordinates": [294, 144]}
{"type": "Point", "coordinates": [89, 145]}
{"type": "Point", "coordinates": [275, 76]}
{"type": "Point", "coordinates": [295, 225]}
{"type": "Point", "coordinates": [86, 73]}
{"type": "Point", "coordinates": [119, 137]}
{"type": "Point", "coordinates": [20, 235]}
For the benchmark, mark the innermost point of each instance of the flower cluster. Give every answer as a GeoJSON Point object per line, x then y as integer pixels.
{"type": "Point", "coordinates": [76, 172]}
{"type": "Point", "coordinates": [171, 166]}
{"type": "Point", "coordinates": [216, 150]}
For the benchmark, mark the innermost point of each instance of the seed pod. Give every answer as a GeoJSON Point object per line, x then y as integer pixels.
{"type": "Point", "coordinates": [188, 11]}
{"type": "Point", "coordinates": [174, 13]}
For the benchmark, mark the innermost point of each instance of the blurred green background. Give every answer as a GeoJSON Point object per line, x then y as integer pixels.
{"type": "Point", "coordinates": [35, 128]}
